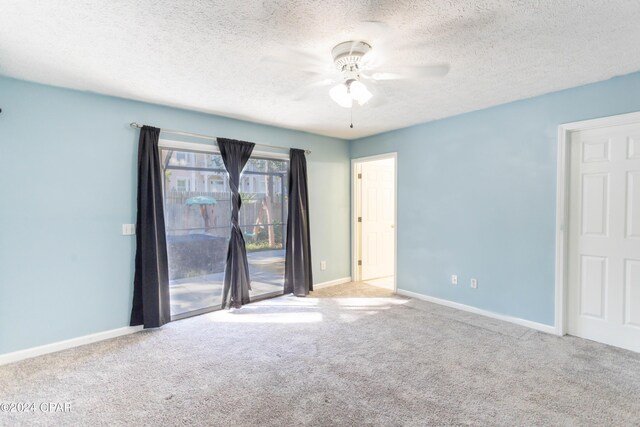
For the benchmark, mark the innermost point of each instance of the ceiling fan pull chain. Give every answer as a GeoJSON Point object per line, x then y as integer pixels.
{"type": "Point", "coordinates": [351, 126]}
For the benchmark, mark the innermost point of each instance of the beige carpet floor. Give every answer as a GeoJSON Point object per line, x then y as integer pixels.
{"type": "Point", "coordinates": [350, 355]}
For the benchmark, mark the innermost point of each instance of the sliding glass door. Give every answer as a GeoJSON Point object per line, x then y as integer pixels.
{"type": "Point", "coordinates": [198, 222]}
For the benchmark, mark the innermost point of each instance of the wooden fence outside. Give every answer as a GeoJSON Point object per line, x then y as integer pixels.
{"type": "Point", "coordinates": [181, 218]}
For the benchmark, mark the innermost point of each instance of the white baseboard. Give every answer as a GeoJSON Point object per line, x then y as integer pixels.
{"type": "Point", "coordinates": [66, 344]}
{"type": "Point", "coordinates": [522, 322]}
{"type": "Point", "coordinates": [332, 283]}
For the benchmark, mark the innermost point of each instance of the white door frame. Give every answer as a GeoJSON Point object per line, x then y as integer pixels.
{"type": "Point", "coordinates": [562, 206]}
{"type": "Point", "coordinates": [354, 217]}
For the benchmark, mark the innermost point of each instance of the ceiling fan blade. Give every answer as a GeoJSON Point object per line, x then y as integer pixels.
{"type": "Point", "coordinates": [297, 59]}
{"type": "Point", "coordinates": [435, 70]}
{"type": "Point", "coordinates": [373, 29]}
{"type": "Point", "coordinates": [382, 38]}
{"type": "Point", "coordinates": [435, 35]}
{"type": "Point", "coordinates": [373, 59]}
{"type": "Point", "coordinates": [381, 76]}
{"type": "Point", "coordinates": [307, 90]}
{"type": "Point", "coordinates": [372, 23]}
{"type": "Point", "coordinates": [379, 97]}
{"type": "Point", "coordinates": [365, 76]}
{"type": "Point", "coordinates": [376, 33]}
{"type": "Point", "coordinates": [396, 73]}
{"type": "Point", "coordinates": [281, 62]}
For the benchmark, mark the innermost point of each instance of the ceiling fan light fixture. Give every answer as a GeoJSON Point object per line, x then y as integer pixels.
{"type": "Point", "coordinates": [359, 92]}
{"type": "Point", "coordinates": [345, 93]}
{"type": "Point", "coordinates": [340, 94]}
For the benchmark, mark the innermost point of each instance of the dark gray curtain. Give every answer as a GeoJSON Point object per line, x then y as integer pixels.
{"type": "Point", "coordinates": [237, 282]}
{"type": "Point", "coordinates": [151, 306]}
{"type": "Point", "coordinates": [298, 276]}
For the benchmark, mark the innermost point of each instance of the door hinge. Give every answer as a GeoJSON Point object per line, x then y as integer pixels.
{"type": "Point", "coordinates": [359, 176]}
{"type": "Point", "coordinates": [359, 262]}
{"type": "Point", "coordinates": [359, 219]}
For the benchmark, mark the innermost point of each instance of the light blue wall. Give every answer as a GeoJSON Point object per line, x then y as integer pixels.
{"type": "Point", "coordinates": [476, 197]}
{"type": "Point", "coordinates": [67, 163]}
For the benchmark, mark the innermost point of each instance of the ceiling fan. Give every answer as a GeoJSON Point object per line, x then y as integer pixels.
{"type": "Point", "coordinates": [355, 63]}
{"type": "Point", "coordinates": [359, 73]}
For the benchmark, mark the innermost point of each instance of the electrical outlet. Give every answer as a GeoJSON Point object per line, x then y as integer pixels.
{"type": "Point", "coordinates": [323, 265]}
{"type": "Point", "coordinates": [128, 229]}
{"type": "Point", "coordinates": [454, 279]}
{"type": "Point", "coordinates": [474, 283]}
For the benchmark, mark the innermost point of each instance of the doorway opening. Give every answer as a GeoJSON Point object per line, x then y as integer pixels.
{"type": "Point", "coordinates": [374, 220]}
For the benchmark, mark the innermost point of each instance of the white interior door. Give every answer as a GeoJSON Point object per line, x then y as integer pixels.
{"type": "Point", "coordinates": [378, 218]}
{"type": "Point", "coordinates": [604, 236]}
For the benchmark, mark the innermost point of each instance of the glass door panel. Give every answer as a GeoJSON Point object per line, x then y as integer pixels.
{"type": "Point", "coordinates": [197, 220]}
{"type": "Point", "coordinates": [263, 218]}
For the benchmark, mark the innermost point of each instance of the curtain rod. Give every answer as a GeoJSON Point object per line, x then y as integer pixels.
{"type": "Point", "coordinates": [197, 135]}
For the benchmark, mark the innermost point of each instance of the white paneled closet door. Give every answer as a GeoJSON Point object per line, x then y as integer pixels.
{"type": "Point", "coordinates": [604, 236]}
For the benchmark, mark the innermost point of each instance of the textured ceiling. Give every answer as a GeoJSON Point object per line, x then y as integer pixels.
{"type": "Point", "coordinates": [219, 56]}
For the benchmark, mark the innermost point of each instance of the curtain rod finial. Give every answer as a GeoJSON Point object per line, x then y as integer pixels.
{"type": "Point", "coordinates": [134, 125]}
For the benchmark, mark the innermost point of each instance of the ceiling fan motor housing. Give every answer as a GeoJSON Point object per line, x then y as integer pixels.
{"type": "Point", "coordinates": [347, 55]}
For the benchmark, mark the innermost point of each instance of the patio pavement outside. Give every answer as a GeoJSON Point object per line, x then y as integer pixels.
{"type": "Point", "coordinates": [194, 293]}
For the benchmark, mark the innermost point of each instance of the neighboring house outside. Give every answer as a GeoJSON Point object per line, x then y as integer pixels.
{"type": "Point", "coordinates": [206, 181]}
